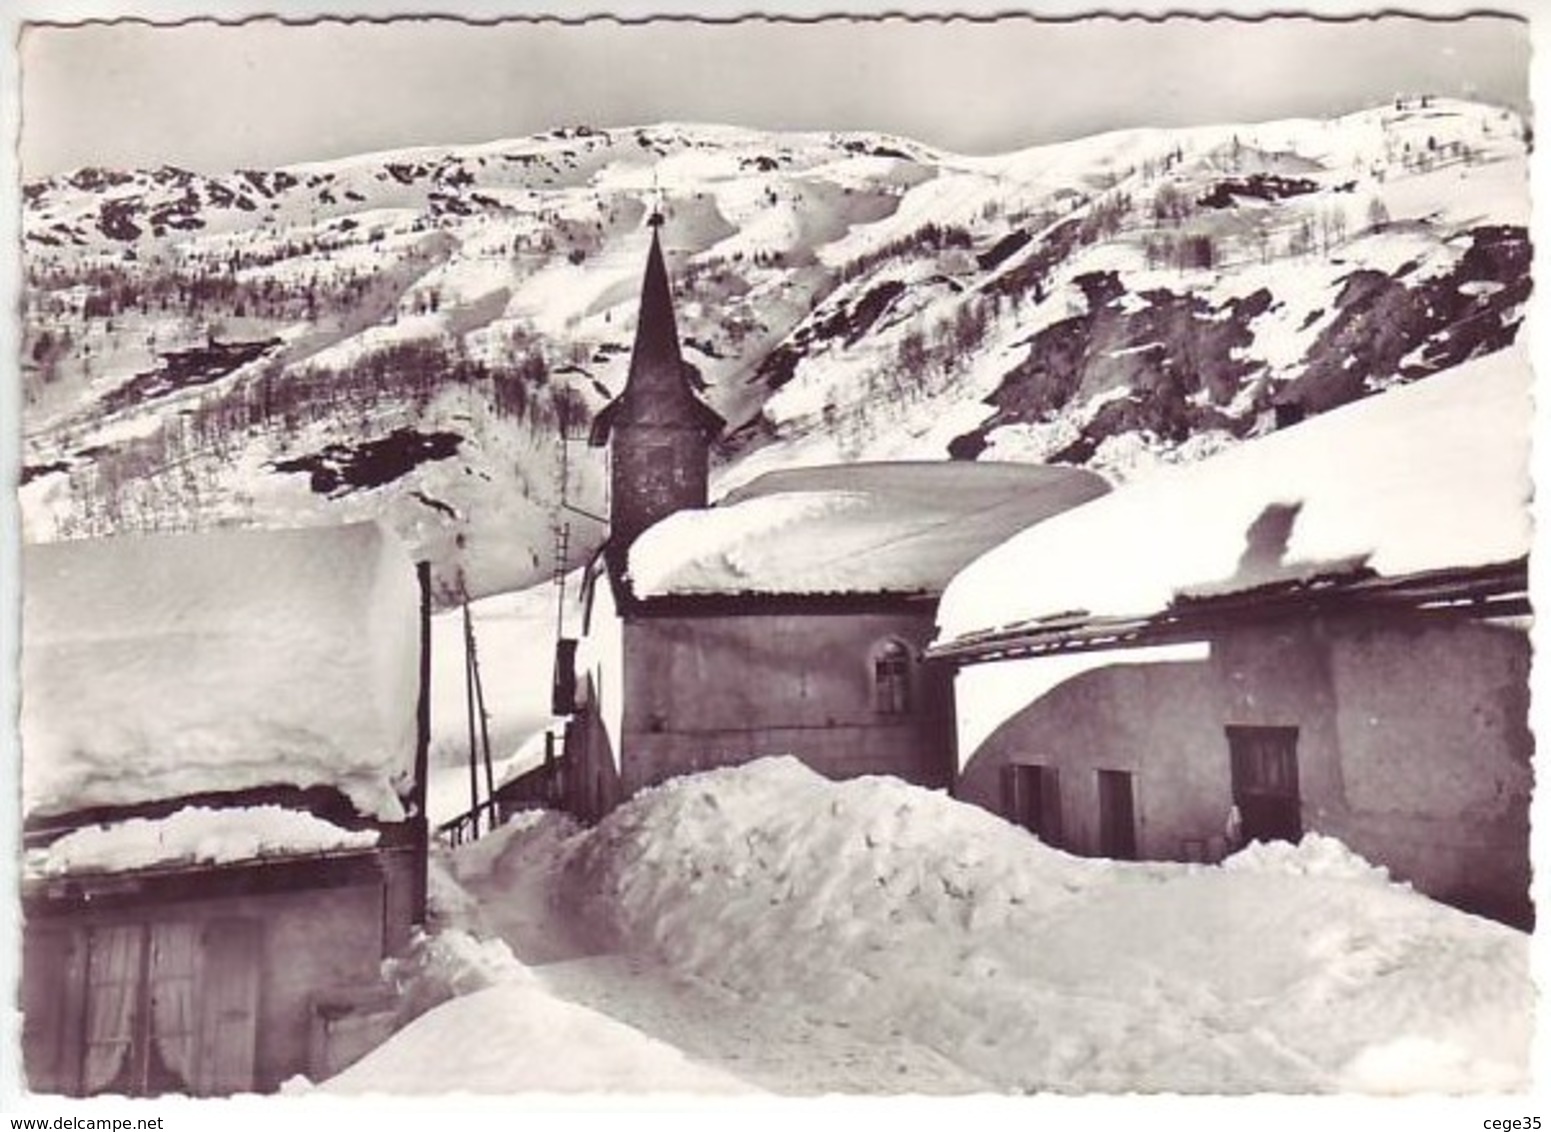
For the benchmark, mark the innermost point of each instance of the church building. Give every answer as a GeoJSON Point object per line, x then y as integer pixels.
{"type": "Point", "coordinates": [789, 618]}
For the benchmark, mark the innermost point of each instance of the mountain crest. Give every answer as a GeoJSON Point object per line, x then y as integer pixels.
{"type": "Point", "coordinates": [404, 334]}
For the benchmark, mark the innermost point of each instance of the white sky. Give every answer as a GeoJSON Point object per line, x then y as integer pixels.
{"type": "Point", "coordinates": [215, 97]}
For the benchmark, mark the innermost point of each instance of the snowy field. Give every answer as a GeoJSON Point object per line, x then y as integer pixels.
{"type": "Point", "coordinates": [763, 927]}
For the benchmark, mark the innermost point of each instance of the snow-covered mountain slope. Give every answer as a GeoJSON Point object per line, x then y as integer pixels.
{"type": "Point", "coordinates": [404, 335]}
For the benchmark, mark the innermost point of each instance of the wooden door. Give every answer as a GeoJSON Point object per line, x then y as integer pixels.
{"type": "Point", "coordinates": [1031, 798]}
{"type": "Point", "coordinates": [52, 984]}
{"type": "Point", "coordinates": [1117, 816]}
{"type": "Point", "coordinates": [1265, 782]}
{"type": "Point", "coordinates": [229, 1008]}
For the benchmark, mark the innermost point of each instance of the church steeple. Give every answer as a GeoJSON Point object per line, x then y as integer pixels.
{"type": "Point", "coordinates": [658, 431]}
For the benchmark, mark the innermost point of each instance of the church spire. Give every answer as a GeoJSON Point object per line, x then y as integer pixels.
{"type": "Point", "coordinates": [658, 431]}
{"type": "Point", "coordinates": [655, 360]}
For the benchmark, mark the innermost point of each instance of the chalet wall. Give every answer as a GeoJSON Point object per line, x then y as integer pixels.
{"type": "Point", "coordinates": [1412, 746]}
{"type": "Point", "coordinates": [712, 691]}
{"type": "Point", "coordinates": [1433, 726]}
{"type": "Point", "coordinates": [314, 942]}
{"type": "Point", "coordinates": [310, 944]}
{"type": "Point", "coordinates": [399, 868]}
{"type": "Point", "coordinates": [1160, 722]}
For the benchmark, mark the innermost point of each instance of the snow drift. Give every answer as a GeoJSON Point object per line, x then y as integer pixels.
{"type": "Point", "coordinates": [158, 667]}
{"type": "Point", "coordinates": [478, 1021]}
{"type": "Point", "coordinates": [902, 911]}
{"type": "Point", "coordinates": [515, 1037]}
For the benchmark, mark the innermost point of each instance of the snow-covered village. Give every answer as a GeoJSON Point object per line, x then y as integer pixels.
{"type": "Point", "coordinates": [686, 596]}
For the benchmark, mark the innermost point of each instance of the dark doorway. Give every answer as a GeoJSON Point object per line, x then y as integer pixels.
{"type": "Point", "coordinates": [1117, 816]}
{"type": "Point", "coordinates": [1031, 798]}
{"type": "Point", "coordinates": [1265, 782]}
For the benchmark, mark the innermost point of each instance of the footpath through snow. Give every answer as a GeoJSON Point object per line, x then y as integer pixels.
{"type": "Point", "coordinates": [810, 936]}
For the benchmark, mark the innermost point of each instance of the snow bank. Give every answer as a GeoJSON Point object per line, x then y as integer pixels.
{"type": "Point", "coordinates": [1431, 476]}
{"type": "Point", "coordinates": [897, 910]}
{"type": "Point", "coordinates": [473, 1019]}
{"type": "Point", "coordinates": [476, 860]}
{"type": "Point", "coordinates": [1316, 856]}
{"type": "Point", "coordinates": [515, 1037]}
{"type": "Point", "coordinates": [903, 528]}
{"type": "Point", "coordinates": [450, 963]}
{"type": "Point", "coordinates": [156, 667]}
{"type": "Point", "coordinates": [193, 835]}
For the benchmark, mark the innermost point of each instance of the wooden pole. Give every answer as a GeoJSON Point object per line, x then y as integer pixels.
{"type": "Point", "coordinates": [420, 827]}
{"type": "Point", "coordinates": [484, 718]}
{"type": "Point", "coordinates": [468, 685]}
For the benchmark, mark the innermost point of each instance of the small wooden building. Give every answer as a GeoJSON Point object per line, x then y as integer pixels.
{"type": "Point", "coordinates": [1322, 630]}
{"type": "Point", "coordinates": [223, 751]}
{"type": "Point", "coordinates": [788, 619]}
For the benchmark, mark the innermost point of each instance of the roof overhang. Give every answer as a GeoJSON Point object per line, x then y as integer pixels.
{"type": "Point", "coordinates": [325, 802]}
{"type": "Point", "coordinates": [185, 882]}
{"type": "Point", "coordinates": [1479, 593]}
{"type": "Point", "coordinates": [778, 604]}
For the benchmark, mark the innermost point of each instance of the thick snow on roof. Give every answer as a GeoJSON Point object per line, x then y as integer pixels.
{"type": "Point", "coordinates": [159, 667]}
{"type": "Point", "coordinates": [861, 528]}
{"type": "Point", "coordinates": [1431, 476]}
{"type": "Point", "coordinates": [194, 835]}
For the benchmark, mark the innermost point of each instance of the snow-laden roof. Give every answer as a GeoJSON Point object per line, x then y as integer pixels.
{"type": "Point", "coordinates": [1432, 476]}
{"type": "Point", "coordinates": [194, 835]}
{"type": "Point", "coordinates": [851, 529]}
{"type": "Point", "coordinates": [159, 667]}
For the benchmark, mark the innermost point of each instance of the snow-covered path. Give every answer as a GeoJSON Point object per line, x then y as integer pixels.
{"type": "Point", "coordinates": [777, 1048]}
{"type": "Point", "coordinates": [773, 1046]}
{"type": "Point", "coordinates": [764, 928]}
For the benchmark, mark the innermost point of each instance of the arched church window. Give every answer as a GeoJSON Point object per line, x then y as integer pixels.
{"type": "Point", "coordinates": [891, 678]}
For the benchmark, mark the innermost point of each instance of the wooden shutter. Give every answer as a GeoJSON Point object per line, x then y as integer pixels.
{"type": "Point", "coordinates": [1012, 808]}
{"type": "Point", "coordinates": [51, 989]}
{"type": "Point", "coordinates": [1052, 829]}
{"type": "Point", "coordinates": [229, 1007]}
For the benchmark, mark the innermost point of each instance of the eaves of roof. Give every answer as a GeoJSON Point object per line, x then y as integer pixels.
{"type": "Point", "coordinates": [1497, 590]}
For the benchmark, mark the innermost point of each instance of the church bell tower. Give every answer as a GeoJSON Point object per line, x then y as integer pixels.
{"type": "Point", "coordinates": [658, 431]}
